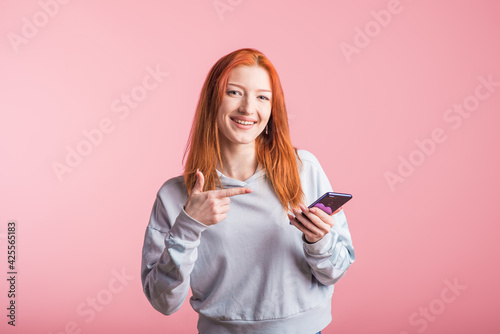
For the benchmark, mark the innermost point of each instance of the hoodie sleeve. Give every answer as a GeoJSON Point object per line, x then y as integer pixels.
{"type": "Point", "coordinates": [168, 256]}
{"type": "Point", "coordinates": [329, 257]}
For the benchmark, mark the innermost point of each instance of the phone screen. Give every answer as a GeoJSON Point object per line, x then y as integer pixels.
{"type": "Point", "coordinates": [331, 201]}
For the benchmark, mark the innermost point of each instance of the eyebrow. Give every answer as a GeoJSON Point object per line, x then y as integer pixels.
{"type": "Point", "coordinates": [259, 90]}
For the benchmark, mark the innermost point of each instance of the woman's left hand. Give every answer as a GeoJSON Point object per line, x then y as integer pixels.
{"type": "Point", "coordinates": [318, 224]}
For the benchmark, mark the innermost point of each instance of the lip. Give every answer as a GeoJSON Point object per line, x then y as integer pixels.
{"type": "Point", "coordinates": [242, 126]}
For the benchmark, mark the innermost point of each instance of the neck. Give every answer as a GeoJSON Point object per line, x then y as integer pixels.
{"type": "Point", "coordinates": [239, 162]}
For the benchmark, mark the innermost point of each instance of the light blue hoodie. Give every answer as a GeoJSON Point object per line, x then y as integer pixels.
{"type": "Point", "coordinates": [252, 272]}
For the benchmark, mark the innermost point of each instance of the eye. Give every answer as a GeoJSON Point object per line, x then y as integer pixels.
{"type": "Point", "coordinates": [232, 91]}
{"type": "Point", "coordinates": [265, 97]}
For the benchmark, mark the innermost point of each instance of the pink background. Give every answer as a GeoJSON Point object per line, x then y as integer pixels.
{"type": "Point", "coordinates": [357, 114]}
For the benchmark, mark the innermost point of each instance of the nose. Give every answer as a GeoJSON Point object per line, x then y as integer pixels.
{"type": "Point", "coordinates": [247, 106]}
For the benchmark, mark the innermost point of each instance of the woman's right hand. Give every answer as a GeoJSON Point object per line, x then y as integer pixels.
{"type": "Point", "coordinates": [210, 207]}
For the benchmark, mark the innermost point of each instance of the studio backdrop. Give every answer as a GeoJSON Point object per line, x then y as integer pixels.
{"type": "Point", "coordinates": [399, 100]}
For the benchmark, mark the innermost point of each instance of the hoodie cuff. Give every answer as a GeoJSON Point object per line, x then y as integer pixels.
{"type": "Point", "coordinates": [322, 246]}
{"type": "Point", "coordinates": [187, 228]}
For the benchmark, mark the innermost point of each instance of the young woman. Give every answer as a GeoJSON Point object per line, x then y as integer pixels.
{"type": "Point", "coordinates": [223, 228]}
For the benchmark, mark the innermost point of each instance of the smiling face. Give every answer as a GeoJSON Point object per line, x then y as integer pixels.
{"type": "Point", "coordinates": [245, 108]}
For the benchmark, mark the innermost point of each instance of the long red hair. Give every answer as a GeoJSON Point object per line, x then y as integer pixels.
{"type": "Point", "coordinates": [275, 152]}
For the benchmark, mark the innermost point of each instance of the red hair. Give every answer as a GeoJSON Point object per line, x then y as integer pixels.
{"type": "Point", "coordinates": [275, 152]}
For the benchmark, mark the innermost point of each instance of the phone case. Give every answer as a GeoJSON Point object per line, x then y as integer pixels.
{"type": "Point", "coordinates": [331, 201]}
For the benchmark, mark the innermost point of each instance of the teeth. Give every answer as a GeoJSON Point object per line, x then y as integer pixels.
{"type": "Point", "coordinates": [243, 122]}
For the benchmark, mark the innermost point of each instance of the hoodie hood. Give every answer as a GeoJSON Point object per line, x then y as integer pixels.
{"type": "Point", "coordinates": [230, 182]}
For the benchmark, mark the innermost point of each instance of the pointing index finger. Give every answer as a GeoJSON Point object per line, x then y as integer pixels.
{"type": "Point", "coordinates": [232, 192]}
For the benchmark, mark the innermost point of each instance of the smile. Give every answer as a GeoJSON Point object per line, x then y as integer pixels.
{"type": "Point", "coordinates": [243, 124]}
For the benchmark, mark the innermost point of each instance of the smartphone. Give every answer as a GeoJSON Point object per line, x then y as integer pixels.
{"type": "Point", "coordinates": [330, 202]}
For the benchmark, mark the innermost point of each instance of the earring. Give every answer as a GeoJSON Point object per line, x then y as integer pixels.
{"type": "Point", "coordinates": [266, 130]}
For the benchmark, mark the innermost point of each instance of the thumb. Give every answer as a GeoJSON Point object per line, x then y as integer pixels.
{"type": "Point", "coordinates": [200, 180]}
